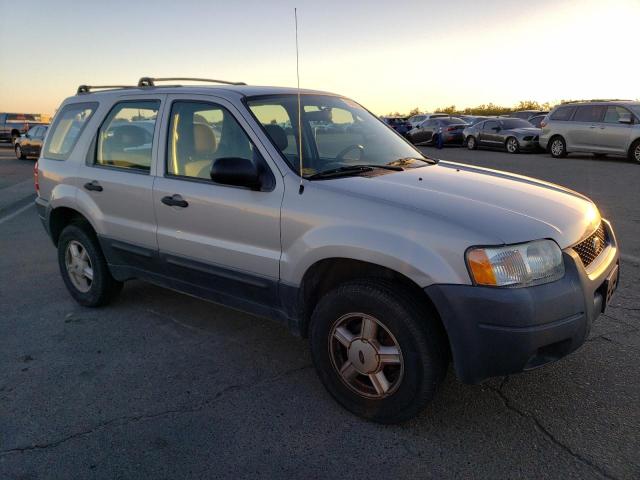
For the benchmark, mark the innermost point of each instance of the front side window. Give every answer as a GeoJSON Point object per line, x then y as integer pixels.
{"type": "Point", "coordinates": [66, 129]}
{"type": "Point", "coordinates": [336, 132]}
{"type": "Point", "coordinates": [614, 114]}
{"type": "Point", "coordinates": [201, 133]}
{"type": "Point", "coordinates": [589, 113]}
{"type": "Point", "coordinates": [125, 138]}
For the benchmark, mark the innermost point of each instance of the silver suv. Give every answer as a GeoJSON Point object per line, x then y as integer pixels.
{"type": "Point", "coordinates": [391, 263]}
{"type": "Point", "coordinates": [601, 128]}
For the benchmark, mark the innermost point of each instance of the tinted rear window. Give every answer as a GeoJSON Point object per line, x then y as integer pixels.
{"type": "Point", "coordinates": [589, 113]}
{"type": "Point", "coordinates": [66, 129]}
{"type": "Point", "coordinates": [563, 113]}
{"type": "Point", "coordinates": [515, 123]}
{"type": "Point", "coordinates": [450, 121]}
{"type": "Point", "coordinates": [22, 117]}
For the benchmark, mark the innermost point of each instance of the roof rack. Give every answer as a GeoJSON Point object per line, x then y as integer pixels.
{"type": "Point", "coordinates": [595, 100]}
{"type": "Point", "coordinates": [88, 88]}
{"type": "Point", "coordinates": [151, 81]}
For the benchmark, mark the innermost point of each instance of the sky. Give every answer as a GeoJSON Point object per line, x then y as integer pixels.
{"type": "Point", "coordinates": [388, 55]}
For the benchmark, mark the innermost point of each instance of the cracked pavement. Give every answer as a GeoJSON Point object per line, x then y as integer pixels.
{"type": "Point", "coordinates": [163, 385]}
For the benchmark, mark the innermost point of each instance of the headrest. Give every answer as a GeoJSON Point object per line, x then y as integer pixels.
{"type": "Point", "coordinates": [204, 140]}
{"type": "Point", "coordinates": [130, 135]}
{"type": "Point", "coordinates": [278, 135]}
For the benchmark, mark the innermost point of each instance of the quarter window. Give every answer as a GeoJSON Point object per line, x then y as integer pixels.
{"type": "Point", "coordinates": [201, 133]}
{"type": "Point", "coordinates": [562, 113]}
{"type": "Point", "coordinates": [589, 113]}
{"type": "Point", "coordinates": [125, 138]}
{"type": "Point", "coordinates": [66, 130]}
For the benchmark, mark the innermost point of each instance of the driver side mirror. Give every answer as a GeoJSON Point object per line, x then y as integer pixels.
{"type": "Point", "coordinates": [239, 172]}
{"type": "Point", "coordinates": [626, 119]}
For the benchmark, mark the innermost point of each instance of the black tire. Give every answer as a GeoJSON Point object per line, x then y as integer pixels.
{"type": "Point", "coordinates": [104, 288]}
{"type": "Point", "coordinates": [512, 145]}
{"type": "Point", "coordinates": [634, 151]}
{"type": "Point", "coordinates": [14, 137]}
{"type": "Point", "coordinates": [419, 335]}
{"type": "Point", "coordinates": [19, 153]}
{"type": "Point", "coordinates": [471, 143]}
{"type": "Point", "coordinates": [559, 149]}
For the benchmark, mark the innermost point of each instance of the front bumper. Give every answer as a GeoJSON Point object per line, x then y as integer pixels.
{"type": "Point", "coordinates": [500, 331]}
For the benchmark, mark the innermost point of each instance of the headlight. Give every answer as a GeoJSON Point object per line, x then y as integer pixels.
{"type": "Point", "coordinates": [522, 265]}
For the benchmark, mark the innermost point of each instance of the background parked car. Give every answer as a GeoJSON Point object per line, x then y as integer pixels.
{"type": "Point", "coordinates": [418, 119]}
{"type": "Point", "coordinates": [452, 128]}
{"type": "Point", "coordinates": [472, 119]}
{"type": "Point", "coordinates": [601, 128]}
{"type": "Point", "coordinates": [527, 114]}
{"type": "Point", "coordinates": [12, 125]}
{"type": "Point", "coordinates": [512, 134]}
{"type": "Point", "coordinates": [537, 120]}
{"type": "Point", "coordinates": [30, 144]}
{"type": "Point", "coordinates": [399, 124]}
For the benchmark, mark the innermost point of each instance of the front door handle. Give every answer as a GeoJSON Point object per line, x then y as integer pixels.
{"type": "Point", "coordinates": [175, 201]}
{"type": "Point", "coordinates": [94, 186]}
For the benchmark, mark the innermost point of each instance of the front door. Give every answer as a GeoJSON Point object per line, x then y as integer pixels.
{"type": "Point", "coordinates": [221, 238]}
{"type": "Point", "coordinates": [489, 133]}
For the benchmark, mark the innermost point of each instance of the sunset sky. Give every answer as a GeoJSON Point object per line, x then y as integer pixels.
{"type": "Point", "coordinates": [388, 55]}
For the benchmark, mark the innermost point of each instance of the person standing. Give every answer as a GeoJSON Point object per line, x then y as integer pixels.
{"type": "Point", "coordinates": [439, 139]}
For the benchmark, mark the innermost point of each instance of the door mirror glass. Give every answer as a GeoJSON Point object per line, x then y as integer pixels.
{"type": "Point", "coordinates": [240, 172]}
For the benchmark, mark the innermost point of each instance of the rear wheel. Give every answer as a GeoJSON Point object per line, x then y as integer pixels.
{"type": "Point", "coordinates": [378, 351]}
{"type": "Point", "coordinates": [634, 151]}
{"type": "Point", "coordinates": [512, 145]}
{"type": "Point", "coordinates": [19, 153]}
{"type": "Point", "coordinates": [558, 147]}
{"type": "Point", "coordinates": [84, 268]}
{"type": "Point", "coordinates": [472, 143]}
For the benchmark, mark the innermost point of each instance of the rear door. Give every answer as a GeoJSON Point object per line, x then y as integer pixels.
{"type": "Point", "coordinates": [116, 181]}
{"type": "Point", "coordinates": [221, 238]}
{"type": "Point", "coordinates": [615, 136]}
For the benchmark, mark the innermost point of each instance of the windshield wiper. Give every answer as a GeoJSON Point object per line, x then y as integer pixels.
{"type": "Point", "coordinates": [352, 170]}
{"type": "Point", "coordinates": [407, 160]}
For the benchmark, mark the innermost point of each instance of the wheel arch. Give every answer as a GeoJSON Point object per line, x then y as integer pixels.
{"type": "Point", "coordinates": [328, 273]}
{"type": "Point", "coordinates": [62, 216]}
{"type": "Point", "coordinates": [553, 137]}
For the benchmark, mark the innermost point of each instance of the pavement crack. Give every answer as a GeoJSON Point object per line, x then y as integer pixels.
{"type": "Point", "coordinates": [542, 429]}
{"type": "Point", "coordinates": [120, 421]}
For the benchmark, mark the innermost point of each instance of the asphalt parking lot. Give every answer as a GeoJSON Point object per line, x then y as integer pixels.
{"type": "Point", "coordinates": [162, 385]}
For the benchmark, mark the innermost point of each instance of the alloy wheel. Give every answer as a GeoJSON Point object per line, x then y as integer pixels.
{"type": "Point", "coordinates": [471, 143]}
{"type": "Point", "coordinates": [18, 152]}
{"type": "Point", "coordinates": [79, 266]}
{"type": "Point", "coordinates": [366, 355]}
{"type": "Point", "coordinates": [557, 147]}
{"type": "Point", "coordinates": [512, 145]}
{"type": "Point", "coordinates": [636, 153]}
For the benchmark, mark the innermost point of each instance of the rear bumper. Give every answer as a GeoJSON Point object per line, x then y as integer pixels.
{"type": "Point", "coordinates": [500, 331]}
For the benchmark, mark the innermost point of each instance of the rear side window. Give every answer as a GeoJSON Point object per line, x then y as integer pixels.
{"type": "Point", "coordinates": [589, 113]}
{"type": "Point", "coordinates": [614, 114]}
{"type": "Point", "coordinates": [125, 138]}
{"type": "Point", "coordinates": [563, 113]}
{"type": "Point", "coordinates": [66, 130]}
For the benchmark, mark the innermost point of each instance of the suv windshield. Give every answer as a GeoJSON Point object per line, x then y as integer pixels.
{"type": "Point", "coordinates": [336, 132]}
{"type": "Point", "coordinates": [515, 123]}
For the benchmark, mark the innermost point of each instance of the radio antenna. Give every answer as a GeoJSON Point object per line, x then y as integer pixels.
{"type": "Point", "coordinates": [301, 189]}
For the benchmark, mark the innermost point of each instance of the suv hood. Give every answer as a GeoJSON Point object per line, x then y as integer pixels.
{"type": "Point", "coordinates": [501, 207]}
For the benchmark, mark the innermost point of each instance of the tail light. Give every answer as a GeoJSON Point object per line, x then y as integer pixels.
{"type": "Point", "coordinates": [36, 184]}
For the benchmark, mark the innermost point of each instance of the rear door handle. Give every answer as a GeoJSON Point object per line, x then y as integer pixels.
{"type": "Point", "coordinates": [175, 201]}
{"type": "Point", "coordinates": [93, 186]}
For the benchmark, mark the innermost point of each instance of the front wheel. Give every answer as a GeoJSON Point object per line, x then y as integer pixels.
{"type": "Point", "coordinates": [634, 151]}
{"type": "Point", "coordinates": [19, 153]}
{"type": "Point", "coordinates": [512, 145]}
{"type": "Point", "coordinates": [377, 350]}
{"type": "Point", "coordinates": [84, 268]}
{"type": "Point", "coordinates": [558, 147]}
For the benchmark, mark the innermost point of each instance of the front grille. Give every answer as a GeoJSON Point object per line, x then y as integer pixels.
{"type": "Point", "coordinates": [589, 249]}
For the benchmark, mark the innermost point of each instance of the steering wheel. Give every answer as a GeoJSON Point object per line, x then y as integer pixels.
{"type": "Point", "coordinates": [340, 156]}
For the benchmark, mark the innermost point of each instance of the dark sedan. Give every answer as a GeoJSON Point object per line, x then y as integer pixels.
{"type": "Point", "coordinates": [30, 144]}
{"type": "Point", "coordinates": [512, 134]}
{"type": "Point", "coordinates": [399, 124]}
{"type": "Point", "coordinates": [450, 127]}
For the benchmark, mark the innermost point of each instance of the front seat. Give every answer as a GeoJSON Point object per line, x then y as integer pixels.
{"type": "Point", "coordinates": [204, 149]}
{"type": "Point", "coordinates": [278, 135]}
